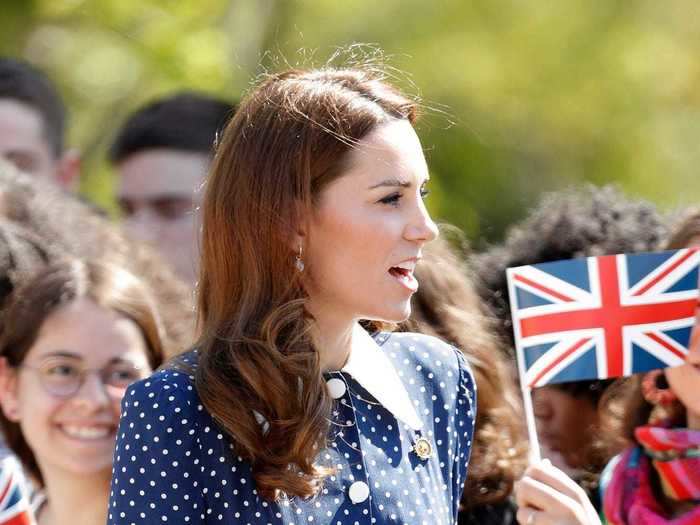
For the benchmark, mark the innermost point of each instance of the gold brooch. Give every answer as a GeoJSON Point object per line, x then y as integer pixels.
{"type": "Point", "coordinates": [423, 448]}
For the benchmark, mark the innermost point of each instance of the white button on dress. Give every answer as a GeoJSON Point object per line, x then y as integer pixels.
{"type": "Point", "coordinates": [359, 492]}
{"type": "Point", "coordinates": [336, 387]}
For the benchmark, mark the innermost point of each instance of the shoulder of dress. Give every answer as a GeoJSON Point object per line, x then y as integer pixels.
{"type": "Point", "coordinates": [411, 339]}
{"type": "Point", "coordinates": [423, 350]}
{"type": "Point", "coordinates": [174, 383]}
{"type": "Point", "coordinates": [429, 359]}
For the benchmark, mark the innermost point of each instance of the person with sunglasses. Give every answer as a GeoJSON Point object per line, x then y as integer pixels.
{"type": "Point", "coordinates": [72, 339]}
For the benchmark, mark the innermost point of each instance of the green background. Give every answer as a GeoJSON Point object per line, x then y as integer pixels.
{"type": "Point", "coordinates": [521, 96]}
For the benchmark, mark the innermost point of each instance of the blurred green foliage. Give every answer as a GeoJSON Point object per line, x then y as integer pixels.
{"type": "Point", "coordinates": [520, 97]}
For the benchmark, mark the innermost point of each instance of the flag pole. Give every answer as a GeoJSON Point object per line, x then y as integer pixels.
{"type": "Point", "coordinates": [535, 454]}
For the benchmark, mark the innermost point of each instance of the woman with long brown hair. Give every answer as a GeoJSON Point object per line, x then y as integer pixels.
{"type": "Point", "coordinates": [290, 410]}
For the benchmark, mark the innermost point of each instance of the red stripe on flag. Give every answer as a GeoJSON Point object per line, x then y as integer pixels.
{"type": "Point", "coordinates": [612, 318]}
{"type": "Point", "coordinates": [664, 274]}
{"type": "Point", "coordinates": [6, 488]}
{"type": "Point", "coordinates": [665, 344]}
{"type": "Point", "coordinates": [544, 289]}
{"type": "Point", "coordinates": [566, 354]}
{"type": "Point", "coordinates": [20, 519]}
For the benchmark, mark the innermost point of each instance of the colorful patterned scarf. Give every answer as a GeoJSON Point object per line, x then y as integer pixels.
{"type": "Point", "coordinates": [674, 455]}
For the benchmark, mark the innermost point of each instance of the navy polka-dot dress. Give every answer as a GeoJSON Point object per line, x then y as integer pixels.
{"type": "Point", "coordinates": [400, 440]}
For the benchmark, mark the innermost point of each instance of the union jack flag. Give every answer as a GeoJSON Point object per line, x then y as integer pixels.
{"type": "Point", "coordinates": [14, 507]}
{"type": "Point", "coordinates": [602, 317]}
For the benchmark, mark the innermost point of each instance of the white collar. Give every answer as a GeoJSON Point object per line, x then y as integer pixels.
{"type": "Point", "coordinates": [370, 367]}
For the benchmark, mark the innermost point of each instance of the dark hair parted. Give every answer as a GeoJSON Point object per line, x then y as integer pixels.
{"type": "Point", "coordinates": [60, 225]}
{"type": "Point", "coordinates": [447, 306]}
{"type": "Point", "coordinates": [287, 141]}
{"type": "Point", "coordinates": [24, 83]}
{"type": "Point", "coordinates": [54, 287]}
{"type": "Point", "coordinates": [575, 223]}
{"type": "Point", "coordinates": [187, 121]}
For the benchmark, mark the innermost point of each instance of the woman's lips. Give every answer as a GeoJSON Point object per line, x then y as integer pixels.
{"type": "Point", "coordinates": [404, 277]}
{"type": "Point", "coordinates": [87, 432]}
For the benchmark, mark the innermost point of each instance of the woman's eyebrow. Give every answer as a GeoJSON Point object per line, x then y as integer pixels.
{"type": "Point", "coordinates": [391, 183]}
{"type": "Point", "coordinates": [122, 361]}
{"type": "Point", "coordinates": [62, 353]}
{"type": "Point", "coordinates": [396, 183]}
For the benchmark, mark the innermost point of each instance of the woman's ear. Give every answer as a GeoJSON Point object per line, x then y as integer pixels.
{"type": "Point", "coordinates": [301, 225]}
{"type": "Point", "coordinates": [8, 390]}
{"type": "Point", "coordinates": [298, 228]}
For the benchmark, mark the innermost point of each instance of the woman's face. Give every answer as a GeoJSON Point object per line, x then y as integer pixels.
{"type": "Point", "coordinates": [565, 423]}
{"type": "Point", "coordinates": [368, 229]}
{"type": "Point", "coordinates": [684, 380]}
{"type": "Point", "coordinates": [75, 433]}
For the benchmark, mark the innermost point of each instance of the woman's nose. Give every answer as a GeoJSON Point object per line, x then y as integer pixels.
{"type": "Point", "coordinates": [92, 391]}
{"type": "Point", "coordinates": [693, 356]}
{"type": "Point", "coordinates": [422, 227]}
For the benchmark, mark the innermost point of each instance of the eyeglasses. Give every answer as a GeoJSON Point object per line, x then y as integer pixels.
{"type": "Point", "coordinates": [64, 378]}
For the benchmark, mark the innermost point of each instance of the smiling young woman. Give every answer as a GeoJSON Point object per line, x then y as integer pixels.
{"type": "Point", "coordinates": [288, 410]}
{"type": "Point", "coordinates": [72, 339]}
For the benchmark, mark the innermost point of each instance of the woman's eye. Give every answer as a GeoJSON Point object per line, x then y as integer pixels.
{"type": "Point", "coordinates": [123, 375]}
{"type": "Point", "coordinates": [62, 370]}
{"type": "Point", "coordinates": [392, 199]}
{"type": "Point", "coordinates": [424, 192]}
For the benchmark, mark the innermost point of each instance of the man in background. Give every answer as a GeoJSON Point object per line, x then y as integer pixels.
{"type": "Point", "coordinates": [161, 157]}
{"type": "Point", "coordinates": [32, 124]}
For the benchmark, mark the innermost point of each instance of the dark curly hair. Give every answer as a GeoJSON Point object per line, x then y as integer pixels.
{"type": "Point", "coordinates": [583, 222]}
{"type": "Point", "coordinates": [573, 223]}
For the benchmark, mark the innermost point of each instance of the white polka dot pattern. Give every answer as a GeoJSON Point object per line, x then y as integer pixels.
{"type": "Point", "coordinates": [173, 464]}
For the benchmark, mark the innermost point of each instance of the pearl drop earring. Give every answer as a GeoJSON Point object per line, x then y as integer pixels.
{"type": "Point", "coordinates": [298, 261]}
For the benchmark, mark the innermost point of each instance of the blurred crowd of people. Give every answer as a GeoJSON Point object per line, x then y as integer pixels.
{"type": "Point", "coordinates": [88, 305]}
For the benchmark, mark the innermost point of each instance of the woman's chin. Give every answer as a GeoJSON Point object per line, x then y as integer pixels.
{"type": "Point", "coordinates": [395, 315]}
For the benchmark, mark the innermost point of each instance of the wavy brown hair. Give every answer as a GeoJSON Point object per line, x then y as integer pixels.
{"type": "Point", "coordinates": [289, 139]}
{"type": "Point", "coordinates": [447, 305]}
{"type": "Point", "coordinates": [58, 285]}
